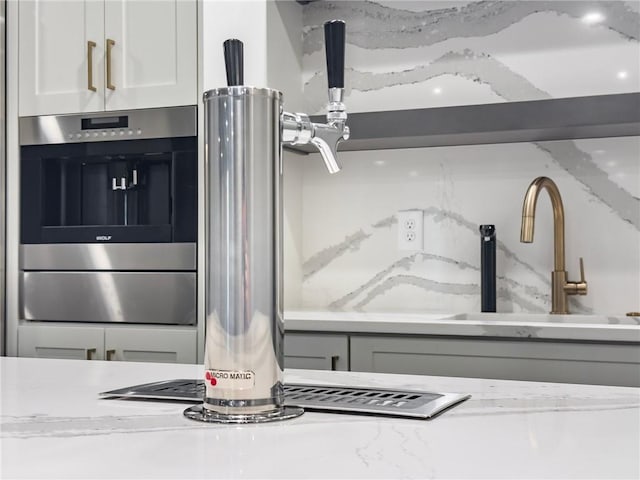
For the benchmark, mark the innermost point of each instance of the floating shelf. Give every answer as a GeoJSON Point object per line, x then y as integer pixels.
{"type": "Point", "coordinates": [532, 121]}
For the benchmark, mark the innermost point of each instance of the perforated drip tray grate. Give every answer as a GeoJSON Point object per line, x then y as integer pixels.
{"type": "Point", "coordinates": [375, 401]}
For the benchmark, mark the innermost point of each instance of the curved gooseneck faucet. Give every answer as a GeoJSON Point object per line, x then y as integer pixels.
{"type": "Point", "coordinates": [529, 212]}
{"type": "Point", "coordinates": [560, 286]}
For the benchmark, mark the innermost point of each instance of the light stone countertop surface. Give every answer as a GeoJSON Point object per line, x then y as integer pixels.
{"type": "Point", "coordinates": [54, 425]}
{"type": "Point", "coordinates": [605, 328]}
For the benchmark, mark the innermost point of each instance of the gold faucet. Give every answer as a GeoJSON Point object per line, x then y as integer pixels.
{"type": "Point", "coordinates": [560, 286]}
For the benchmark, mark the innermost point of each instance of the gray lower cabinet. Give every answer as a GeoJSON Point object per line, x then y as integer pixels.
{"type": "Point", "coordinates": [589, 363]}
{"type": "Point", "coordinates": [316, 351]}
{"type": "Point", "coordinates": [49, 341]}
{"type": "Point", "coordinates": [123, 343]}
{"type": "Point", "coordinates": [150, 345]}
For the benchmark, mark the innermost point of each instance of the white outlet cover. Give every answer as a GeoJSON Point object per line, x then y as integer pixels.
{"type": "Point", "coordinates": [410, 230]}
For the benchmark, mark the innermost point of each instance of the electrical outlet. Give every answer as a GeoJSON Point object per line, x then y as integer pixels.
{"type": "Point", "coordinates": [410, 230]}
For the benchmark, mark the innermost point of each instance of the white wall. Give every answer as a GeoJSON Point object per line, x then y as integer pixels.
{"type": "Point", "coordinates": [412, 54]}
{"type": "Point", "coordinates": [284, 53]}
{"type": "Point", "coordinates": [272, 36]}
{"type": "Point", "coordinates": [244, 20]}
{"type": "Point", "coordinates": [292, 230]}
{"type": "Point", "coordinates": [351, 256]}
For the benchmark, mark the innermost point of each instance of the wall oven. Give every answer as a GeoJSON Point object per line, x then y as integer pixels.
{"type": "Point", "coordinates": [109, 217]}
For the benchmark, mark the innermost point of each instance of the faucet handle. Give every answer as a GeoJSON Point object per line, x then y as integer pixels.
{"type": "Point", "coordinates": [234, 61]}
{"type": "Point", "coordinates": [297, 129]}
{"type": "Point", "coordinates": [577, 288]}
{"type": "Point", "coordinates": [334, 40]}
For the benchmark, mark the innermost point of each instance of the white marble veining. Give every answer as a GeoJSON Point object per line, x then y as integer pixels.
{"type": "Point", "coordinates": [515, 325]}
{"type": "Point", "coordinates": [413, 54]}
{"type": "Point", "coordinates": [53, 425]}
{"type": "Point", "coordinates": [351, 257]}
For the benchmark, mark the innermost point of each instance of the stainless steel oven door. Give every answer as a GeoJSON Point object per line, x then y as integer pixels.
{"type": "Point", "coordinates": [125, 297]}
{"type": "Point", "coordinates": [127, 283]}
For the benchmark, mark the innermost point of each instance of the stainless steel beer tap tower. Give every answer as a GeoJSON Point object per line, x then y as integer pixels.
{"type": "Point", "coordinates": [245, 129]}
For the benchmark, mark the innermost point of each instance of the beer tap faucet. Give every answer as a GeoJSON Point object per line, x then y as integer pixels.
{"type": "Point", "coordinates": [297, 128]}
{"type": "Point", "coordinates": [245, 128]}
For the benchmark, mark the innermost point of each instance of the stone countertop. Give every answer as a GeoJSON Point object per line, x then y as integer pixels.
{"type": "Point", "coordinates": [600, 328]}
{"type": "Point", "coordinates": [53, 425]}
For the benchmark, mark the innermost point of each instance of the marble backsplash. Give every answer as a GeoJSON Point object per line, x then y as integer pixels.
{"type": "Point", "coordinates": [349, 227]}
{"type": "Point", "coordinates": [416, 54]}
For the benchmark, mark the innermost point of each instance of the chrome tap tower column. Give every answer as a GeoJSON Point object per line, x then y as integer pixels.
{"type": "Point", "coordinates": [245, 129]}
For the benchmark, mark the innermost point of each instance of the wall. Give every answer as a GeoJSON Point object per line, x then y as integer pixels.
{"type": "Point", "coordinates": [244, 20]}
{"type": "Point", "coordinates": [411, 54]}
{"type": "Point", "coordinates": [421, 54]}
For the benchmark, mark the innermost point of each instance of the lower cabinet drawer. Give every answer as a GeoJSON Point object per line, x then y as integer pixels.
{"type": "Point", "coordinates": [589, 363]}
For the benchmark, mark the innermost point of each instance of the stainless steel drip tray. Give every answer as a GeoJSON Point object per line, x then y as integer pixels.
{"type": "Point", "coordinates": [374, 401]}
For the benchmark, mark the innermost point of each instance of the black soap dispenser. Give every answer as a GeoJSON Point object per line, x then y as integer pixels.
{"type": "Point", "coordinates": [488, 267]}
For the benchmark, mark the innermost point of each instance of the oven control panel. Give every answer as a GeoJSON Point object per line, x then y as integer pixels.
{"type": "Point", "coordinates": [149, 123]}
{"type": "Point", "coordinates": [104, 134]}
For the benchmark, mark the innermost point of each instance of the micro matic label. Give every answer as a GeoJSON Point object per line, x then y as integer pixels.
{"type": "Point", "coordinates": [232, 379]}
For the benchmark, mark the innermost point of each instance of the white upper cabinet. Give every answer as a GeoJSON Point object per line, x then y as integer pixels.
{"type": "Point", "coordinates": [91, 55]}
{"type": "Point", "coordinates": [55, 56]}
{"type": "Point", "coordinates": [153, 60]}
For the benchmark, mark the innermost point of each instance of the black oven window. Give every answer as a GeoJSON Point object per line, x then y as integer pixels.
{"type": "Point", "coordinates": [107, 190]}
{"type": "Point", "coordinates": [118, 192]}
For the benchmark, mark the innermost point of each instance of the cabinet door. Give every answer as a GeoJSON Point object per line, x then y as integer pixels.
{"type": "Point", "coordinates": [54, 38]}
{"type": "Point", "coordinates": [590, 363]}
{"type": "Point", "coordinates": [162, 345]}
{"type": "Point", "coordinates": [154, 58]}
{"type": "Point", "coordinates": [48, 341]}
{"type": "Point", "coordinates": [316, 351]}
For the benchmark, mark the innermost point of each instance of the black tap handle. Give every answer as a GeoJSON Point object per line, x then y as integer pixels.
{"type": "Point", "coordinates": [233, 60]}
{"type": "Point", "coordinates": [334, 35]}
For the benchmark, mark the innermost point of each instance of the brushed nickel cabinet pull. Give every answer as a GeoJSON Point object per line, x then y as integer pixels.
{"type": "Point", "coordinates": [90, 352]}
{"type": "Point", "coordinates": [110, 44]}
{"type": "Point", "coordinates": [110, 355]}
{"type": "Point", "coordinates": [90, 46]}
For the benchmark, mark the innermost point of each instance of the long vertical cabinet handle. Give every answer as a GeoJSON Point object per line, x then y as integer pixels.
{"type": "Point", "coordinates": [110, 44]}
{"type": "Point", "coordinates": [90, 46]}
